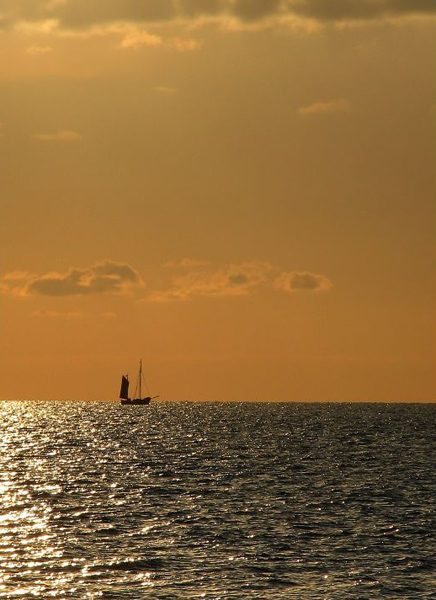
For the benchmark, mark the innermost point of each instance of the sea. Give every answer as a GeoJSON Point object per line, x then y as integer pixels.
{"type": "Point", "coordinates": [181, 500]}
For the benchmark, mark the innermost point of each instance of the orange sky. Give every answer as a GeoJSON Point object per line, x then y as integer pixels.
{"type": "Point", "coordinates": [241, 192]}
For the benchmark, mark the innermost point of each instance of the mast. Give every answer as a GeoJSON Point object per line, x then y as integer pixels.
{"type": "Point", "coordinates": [140, 377]}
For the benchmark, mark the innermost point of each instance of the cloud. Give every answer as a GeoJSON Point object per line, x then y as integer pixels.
{"type": "Point", "coordinates": [15, 276]}
{"type": "Point", "coordinates": [109, 315]}
{"type": "Point", "coordinates": [106, 277]}
{"type": "Point", "coordinates": [138, 38]}
{"type": "Point", "coordinates": [14, 283]}
{"type": "Point", "coordinates": [71, 314]}
{"type": "Point", "coordinates": [200, 8]}
{"type": "Point", "coordinates": [230, 280]}
{"type": "Point", "coordinates": [303, 281]}
{"type": "Point", "coordinates": [186, 263]}
{"type": "Point", "coordinates": [325, 108]}
{"type": "Point", "coordinates": [13, 11]}
{"type": "Point", "coordinates": [38, 50]}
{"type": "Point", "coordinates": [80, 15]}
{"type": "Point", "coordinates": [360, 10]}
{"type": "Point", "coordinates": [191, 279]}
{"type": "Point", "coordinates": [206, 280]}
{"type": "Point", "coordinates": [164, 89]}
{"type": "Point", "coordinates": [54, 314]}
{"type": "Point", "coordinates": [63, 135]}
{"type": "Point", "coordinates": [255, 10]}
{"type": "Point", "coordinates": [185, 44]}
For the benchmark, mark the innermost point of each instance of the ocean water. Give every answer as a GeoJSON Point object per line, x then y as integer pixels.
{"type": "Point", "coordinates": [217, 501]}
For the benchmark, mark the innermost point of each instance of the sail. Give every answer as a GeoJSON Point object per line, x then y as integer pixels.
{"type": "Point", "coordinates": [124, 391]}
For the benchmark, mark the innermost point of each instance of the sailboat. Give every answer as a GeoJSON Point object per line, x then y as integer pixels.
{"type": "Point", "coordinates": [124, 391]}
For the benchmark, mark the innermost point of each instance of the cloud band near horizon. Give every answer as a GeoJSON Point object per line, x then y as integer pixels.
{"type": "Point", "coordinates": [190, 279]}
{"type": "Point", "coordinates": [105, 277]}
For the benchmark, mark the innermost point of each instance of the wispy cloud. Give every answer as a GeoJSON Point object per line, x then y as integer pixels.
{"type": "Point", "coordinates": [302, 281]}
{"type": "Point", "coordinates": [165, 90]}
{"type": "Point", "coordinates": [325, 108]}
{"type": "Point", "coordinates": [229, 280]}
{"type": "Point", "coordinates": [185, 44]}
{"type": "Point", "coordinates": [64, 135]}
{"type": "Point", "coordinates": [38, 50]}
{"type": "Point", "coordinates": [54, 314]}
{"type": "Point", "coordinates": [109, 315]}
{"type": "Point", "coordinates": [135, 38]}
{"type": "Point", "coordinates": [186, 263]}
{"type": "Point", "coordinates": [14, 283]}
{"type": "Point", "coordinates": [206, 279]}
{"type": "Point", "coordinates": [138, 38]}
{"type": "Point", "coordinates": [106, 277]}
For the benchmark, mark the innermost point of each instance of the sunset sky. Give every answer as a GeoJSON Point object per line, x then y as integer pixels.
{"type": "Point", "coordinates": [241, 192]}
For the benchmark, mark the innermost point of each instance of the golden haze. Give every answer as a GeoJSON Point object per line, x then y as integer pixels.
{"type": "Point", "coordinates": [240, 193]}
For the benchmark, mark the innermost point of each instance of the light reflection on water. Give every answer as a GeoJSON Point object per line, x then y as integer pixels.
{"type": "Point", "coordinates": [217, 501]}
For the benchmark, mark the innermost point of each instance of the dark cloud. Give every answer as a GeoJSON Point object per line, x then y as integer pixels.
{"type": "Point", "coordinates": [197, 8]}
{"type": "Point", "coordinates": [31, 9]}
{"type": "Point", "coordinates": [85, 13]}
{"type": "Point", "coordinates": [12, 11]}
{"type": "Point", "coordinates": [82, 14]}
{"type": "Point", "coordinates": [337, 10]}
{"type": "Point", "coordinates": [101, 278]}
{"type": "Point", "coordinates": [238, 279]}
{"type": "Point", "coordinates": [255, 10]}
{"type": "Point", "coordinates": [297, 281]}
{"type": "Point", "coordinates": [304, 281]}
{"type": "Point", "coordinates": [411, 6]}
{"type": "Point", "coordinates": [352, 10]}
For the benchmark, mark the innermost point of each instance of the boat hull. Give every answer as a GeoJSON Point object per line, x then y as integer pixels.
{"type": "Point", "coordinates": [136, 401]}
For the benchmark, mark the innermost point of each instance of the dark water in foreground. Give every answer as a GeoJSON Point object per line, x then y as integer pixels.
{"type": "Point", "coordinates": [295, 501]}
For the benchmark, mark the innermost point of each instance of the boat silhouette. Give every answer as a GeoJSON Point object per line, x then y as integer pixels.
{"type": "Point", "coordinates": [137, 399]}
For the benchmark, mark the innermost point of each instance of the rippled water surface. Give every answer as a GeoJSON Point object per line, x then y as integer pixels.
{"type": "Point", "coordinates": [295, 501]}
